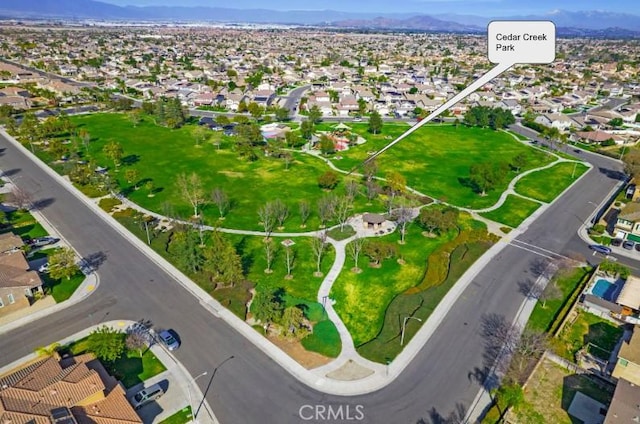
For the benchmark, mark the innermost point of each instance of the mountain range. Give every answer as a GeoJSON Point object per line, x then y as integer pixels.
{"type": "Point", "coordinates": [572, 23]}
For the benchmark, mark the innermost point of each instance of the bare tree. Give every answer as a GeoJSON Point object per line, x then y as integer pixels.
{"type": "Point", "coordinates": [221, 200]}
{"type": "Point", "coordinates": [372, 190]}
{"type": "Point", "coordinates": [326, 208]}
{"type": "Point", "coordinates": [404, 216]}
{"type": "Point", "coordinates": [305, 210]}
{"type": "Point", "coordinates": [269, 252]}
{"type": "Point", "coordinates": [190, 187]}
{"type": "Point", "coordinates": [22, 199]}
{"type": "Point", "coordinates": [281, 211]}
{"type": "Point", "coordinates": [318, 245]}
{"type": "Point", "coordinates": [351, 189]}
{"type": "Point", "coordinates": [370, 170]}
{"type": "Point", "coordinates": [354, 248]}
{"type": "Point", "coordinates": [267, 218]}
{"type": "Point", "coordinates": [290, 256]}
{"type": "Point", "coordinates": [136, 341]}
{"type": "Point", "coordinates": [341, 210]}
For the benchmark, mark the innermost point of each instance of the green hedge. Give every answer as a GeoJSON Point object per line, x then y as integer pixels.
{"type": "Point", "coordinates": [562, 313]}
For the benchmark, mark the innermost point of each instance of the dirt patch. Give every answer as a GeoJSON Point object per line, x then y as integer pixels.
{"type": "Point", "coordinates": [294, 349]}
{"type": "Point", "coordinates": [350, 371]}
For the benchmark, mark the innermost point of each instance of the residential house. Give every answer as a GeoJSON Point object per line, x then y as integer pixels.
{"type": "Point", "coordinates": [597, 137]}
{"type": "Point", "coordinates": [555, 120]}
{"type": "Point", "coordinates": [74, 390]}
{"type": "Point", "coordinates": [628, 363]}
{"type": "Point", "coordinates": [624, 407]}
{"type": "Point", "coordinates": [10, 243]}
{"type": "Point", "coordinates": [264, 97]}
{"type": "Point", "coordinates": [18, 284]}
{"type": "Point", "coordinates": [628, 222]}
{"type": "Point", "coordinates": [510, 104]}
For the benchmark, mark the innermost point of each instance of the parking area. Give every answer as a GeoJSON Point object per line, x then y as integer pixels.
{"type": "Point", "coordinates": [175, 397]}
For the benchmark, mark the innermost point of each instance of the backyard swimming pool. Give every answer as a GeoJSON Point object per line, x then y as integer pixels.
{"type": "Point", "coordinates": [604, 289]}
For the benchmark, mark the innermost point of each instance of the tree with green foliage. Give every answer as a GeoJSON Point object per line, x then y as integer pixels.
{"type": "Point", "coordinates": [396, 185]}
{"type": "Point", "coordinates": [113, 150]}
{"type": "Point", "coordinates": [378, 251]}
{"type": "Point", "coordinates": [107, 343]}
{"type": "Point", "coordinates": [293, 323]}
{"type": "Point", "coordinates": [485, 176]}
{"type": "Point", "coordinates": [327, 146]}
{"type": "Point", "coordinates": [49, 350]}
{"type": "Point", "coordinates": [132, 175]}
{"type": "Point", "coordinates": [282, 114]}
{"type": "Point", "coordinates": [267, 307]}
{"type": "Point", "coordinates": [307, 128]}
{"type": "Point", "coordinates": [62, 264]}
{"type": "Point", "coordinates": [222, 261]}
{"type": "Point", "coordinates": [315, 115]}
{"type": "Point", "coordinates": [255, 110]}
{"type": "Point", "coordinates": [616, 122]}
{"type": "Point", "coordinates": [329, 180]}
{"type": "Point", "coordinates": [184, 246]}
{"type": "Point", "coordinates": [375, 122]}
{"type": "Point", "coordinates": [438, 220]}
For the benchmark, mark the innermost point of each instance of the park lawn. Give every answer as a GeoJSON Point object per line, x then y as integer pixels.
{"type": "Point", "coordinates": [183, 416]}
{"type": "Point", "coordinates": [550, 392]}
{"type": "Point", "coordinates": [436, 159]}
{"type": "Point", "coordinates": [588, 328]}
{"type": "Point", "coordinates": [513, 211]}
{"type": "Point", "coordinates": [386, 345]}
{"type": "Point", "coordinates": [160, 154]}
{"type": "Point", "coordinates": [62, 289]}
{"type": "Point", "coordinates": [304, 285]}
{"type": "Point", "coordinates": [23, 224]}
{"type": "Point", "coordinates": [567, 281]}
{"type": "Point", "coordinates": [362, 299]}
{"type": "Point", "coordinates": [546, 184]}
{"type": "Point", "coordinates": [324, 340]}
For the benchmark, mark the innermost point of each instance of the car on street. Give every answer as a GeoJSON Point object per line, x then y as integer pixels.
{"type": "Point", "coordinates": [600, 249]}
{"type": "Point", "coordinates": [616, 242]}
{"type": "Point", "coordinates": [42, 241]}
{"type": "Point", "coordinates": [628, 244]}
{"type": "Point", "coordinates": [169, 338]}
{"type": "Point", "coordinates": [638, 247]}
{"type": "Point", "coordinates": [146, 396]}
{"type": "Point", "coordinates": [357, 119]}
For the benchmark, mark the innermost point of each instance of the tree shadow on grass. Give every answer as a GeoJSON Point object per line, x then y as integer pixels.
{"type": "Point", "coordinates": [130, 160]}
{"type": "Point", "coordinates": [466, 182]}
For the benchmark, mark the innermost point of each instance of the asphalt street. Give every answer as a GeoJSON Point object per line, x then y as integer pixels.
{"type": "Point", "coordinates": [444, 377]}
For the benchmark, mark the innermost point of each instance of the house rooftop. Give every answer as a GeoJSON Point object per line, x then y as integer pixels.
{"type": "Point", "coordinates": [624, 406]}
{"type": "Point", "coordinates": [10, 241]}
{"type": "Point", "coordinates": [630, 294]}
{"type": "Point", "coordinates": [630, 350]}
{"type": "Point", "coordinates": [631, 212]}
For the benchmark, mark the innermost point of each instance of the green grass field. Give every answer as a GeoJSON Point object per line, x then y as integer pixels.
{"type": "Point", "coordinates": [160, 154]}
{"type": "Point", "coordinates": [588, 328]}
{"type": "Point", "coordinates": [386, 345]}
{"type": "Point", "coordinates": [547, 184]}
{"type": "Point", "coordinates": [23, 224]}
{"type": "Point", "coordinates": [62, 289]}
{"type": "Point", "coordinates": [362, 299]}
{"type": "Point", "coordinates": [513, 211]}
{"type": "Point", "coordinates": [183, 416]}
{"type": "Point", "coordinates": [436, 159]}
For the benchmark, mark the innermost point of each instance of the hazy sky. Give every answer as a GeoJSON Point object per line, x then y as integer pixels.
{"type": "Point", "coordinates": [475, 7]}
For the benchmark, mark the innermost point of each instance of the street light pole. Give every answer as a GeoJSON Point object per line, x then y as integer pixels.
{"type": "Point", "coordinates": [194, 412]}
{"type": "Point", "coordinates": [404, 325]}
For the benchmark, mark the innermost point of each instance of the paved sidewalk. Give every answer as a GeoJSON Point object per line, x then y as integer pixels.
{"type": "Point", "coordinates": [179, 374]}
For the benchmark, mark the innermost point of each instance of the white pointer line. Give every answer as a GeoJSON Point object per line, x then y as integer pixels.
{"type": "Point", "coordinates": [494, 72]}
